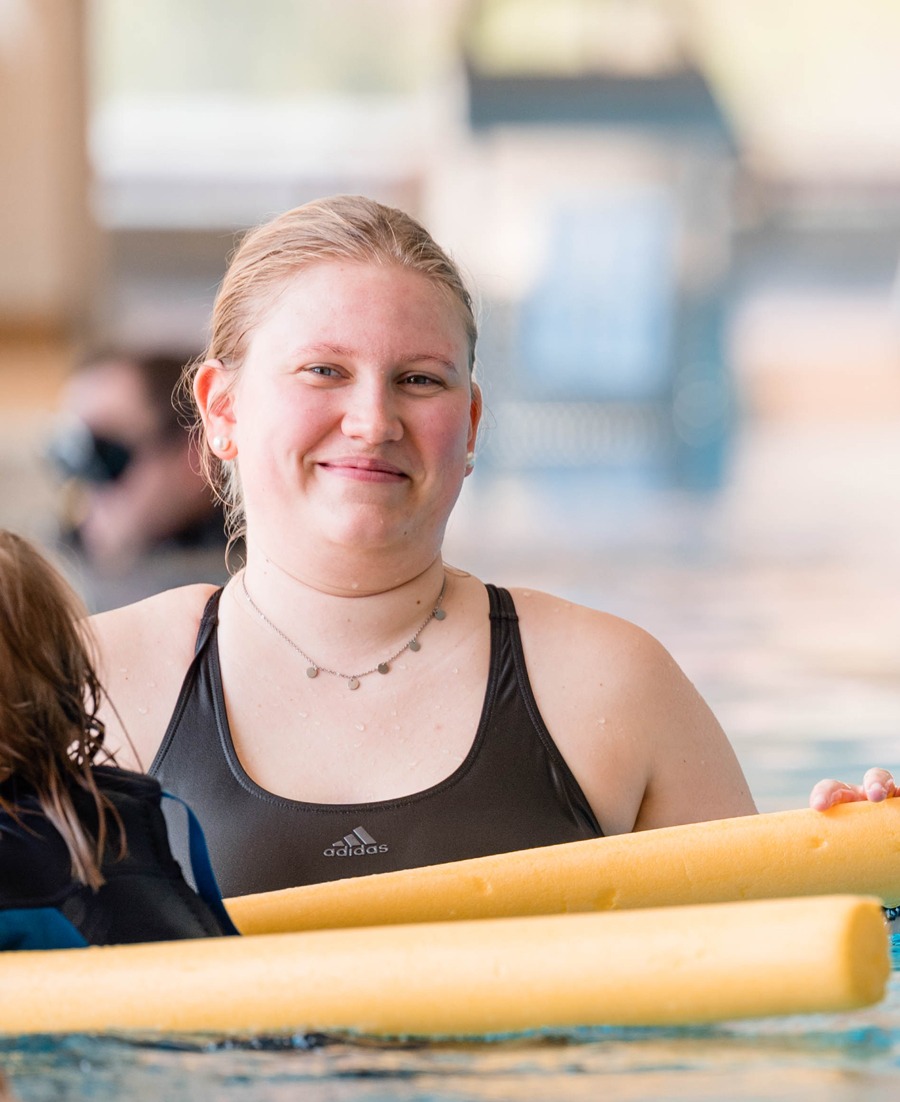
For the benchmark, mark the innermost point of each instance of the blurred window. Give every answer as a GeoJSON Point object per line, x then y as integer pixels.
{"type": "Point", "coordinates": [574, 37]}
{"type": "Point", "coordinates": [207, 113]}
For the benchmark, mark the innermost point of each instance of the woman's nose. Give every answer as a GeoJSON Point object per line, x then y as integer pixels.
{"type": "Point", "coordinates": [372, 415]}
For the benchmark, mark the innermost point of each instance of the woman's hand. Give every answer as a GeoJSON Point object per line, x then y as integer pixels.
{"type": "Point", "coordinates": [877, 785]}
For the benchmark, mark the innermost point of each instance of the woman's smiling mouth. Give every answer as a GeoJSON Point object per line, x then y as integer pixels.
{"type": "Point", "coordinates": [363, 469]}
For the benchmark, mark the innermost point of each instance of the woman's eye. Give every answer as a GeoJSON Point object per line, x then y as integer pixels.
{"type": "Point", "coordinates": [421, 381]}
{"type": "Point", "coordinates": [323, 370]}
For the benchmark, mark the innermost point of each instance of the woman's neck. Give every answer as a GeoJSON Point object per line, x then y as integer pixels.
{"type": "Point", "coordinates": [344, 626]}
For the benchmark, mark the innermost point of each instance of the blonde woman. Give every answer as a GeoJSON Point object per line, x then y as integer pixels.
{"type": "Point", "coordinates": [350, 703]}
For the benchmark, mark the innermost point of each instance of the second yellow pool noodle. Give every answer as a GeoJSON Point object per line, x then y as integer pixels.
{"type": "Point", "coordinates": [853, 848]}
{"type": "Point", "coordinates": [661, 967]}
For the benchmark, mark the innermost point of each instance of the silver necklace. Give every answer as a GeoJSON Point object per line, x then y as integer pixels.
{"type": "Point", "coordinates": [353, 679]}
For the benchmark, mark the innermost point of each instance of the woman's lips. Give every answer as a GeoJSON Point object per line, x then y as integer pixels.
{"type": "Point", "coordinates": [363, 469]}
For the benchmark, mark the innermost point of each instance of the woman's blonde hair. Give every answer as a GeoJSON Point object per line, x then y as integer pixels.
{"type": "Point", "coordinates": [343, 227]}
{"type": "Point", "coordinates": [50, 735]}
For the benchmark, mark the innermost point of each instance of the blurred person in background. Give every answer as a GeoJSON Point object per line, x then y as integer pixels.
{"type": "Point", "coordinates": [137, 514]}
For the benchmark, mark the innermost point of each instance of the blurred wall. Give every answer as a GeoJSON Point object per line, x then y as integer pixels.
{"type": "Point", "coordinates": [45, 226]}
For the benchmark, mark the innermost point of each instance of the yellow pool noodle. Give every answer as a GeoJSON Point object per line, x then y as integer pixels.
{"type": "Point", "coordinates": [853, 848]}
{"type": "Point", "coordinates": [659, 967]}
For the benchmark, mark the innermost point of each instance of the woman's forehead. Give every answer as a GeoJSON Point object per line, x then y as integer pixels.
{"type": "Point", "coordinates": [338, 303]}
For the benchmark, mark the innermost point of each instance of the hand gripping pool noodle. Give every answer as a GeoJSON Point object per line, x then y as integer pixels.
{"type": "Point", "coordinates": [654, 967]}
{"type": "Point", "coordinates": [853, 848]}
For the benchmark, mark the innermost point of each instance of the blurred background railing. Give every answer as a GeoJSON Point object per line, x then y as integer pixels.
{"type": "Point", "coordinates": [682, 217]}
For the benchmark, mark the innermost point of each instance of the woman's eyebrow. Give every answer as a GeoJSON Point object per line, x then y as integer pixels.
{"type": "Point", "coordinates": [315, 349]}
{"type": "Point", "coordinates": [430, 357]}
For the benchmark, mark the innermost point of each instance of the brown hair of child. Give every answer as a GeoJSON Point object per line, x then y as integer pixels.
{"type": "Point", "coordinates": [50, 735]}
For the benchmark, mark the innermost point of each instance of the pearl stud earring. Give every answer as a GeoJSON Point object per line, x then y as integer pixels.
{"type": "Point", "coordinates": [470, 461]}
{"type": "Point", "coordinates": [221, 443]}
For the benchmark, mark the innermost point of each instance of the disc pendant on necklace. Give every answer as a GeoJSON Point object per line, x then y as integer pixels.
{"type": "Point", "coordinates": [414, 645]}
{"type": "Point", "coordinates": [383, 667]}
{"type": "Point", "coordinates": [353, 683]}
{"type": "Point", "coordinates": [312, 671]}
{"type": "Point", "coordinates": [439, 614]}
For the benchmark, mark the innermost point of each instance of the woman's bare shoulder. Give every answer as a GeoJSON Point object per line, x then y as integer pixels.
{"type": "Point", "coordinates": [168, 614]}
{"type": "Point", "coordinates": [613, 662]}
{"type": "Point", "coordinates": [144, 650]}
{"type": "Point", "coordinates": [643, 744]}
{"type": "Point", "coordinates": [581, 659]}
{"type": "Point", "coordinates": [550, 620]}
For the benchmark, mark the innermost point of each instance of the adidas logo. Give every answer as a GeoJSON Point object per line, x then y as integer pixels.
{"type": "Point", "coordinates": [357, 843]}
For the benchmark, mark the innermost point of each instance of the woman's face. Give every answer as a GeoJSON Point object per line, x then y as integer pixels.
{"type": "Point", "coordinates": [353, 412]}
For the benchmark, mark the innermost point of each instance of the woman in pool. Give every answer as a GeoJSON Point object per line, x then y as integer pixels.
{"type": "Point", "coordinates": [350, 703]}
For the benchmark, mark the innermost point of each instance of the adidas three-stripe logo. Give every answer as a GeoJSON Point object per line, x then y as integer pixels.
{"type": "Point", "coordinates": [357, 843]}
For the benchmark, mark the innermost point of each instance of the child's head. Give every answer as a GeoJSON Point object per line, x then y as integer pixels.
{"type": "Point", "coordinates": [49, 695]}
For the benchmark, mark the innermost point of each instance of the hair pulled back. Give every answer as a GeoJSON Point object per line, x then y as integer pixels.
{"type": "Point", "coordinates": [342, 227]}
{"type": "Point", "coordinates": [50, 735]}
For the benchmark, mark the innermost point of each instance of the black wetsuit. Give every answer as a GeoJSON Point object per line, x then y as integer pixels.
{"type": "Point", "coordinates": [145, 897]}
{"type": "Point", "coordinates": [513, 790]}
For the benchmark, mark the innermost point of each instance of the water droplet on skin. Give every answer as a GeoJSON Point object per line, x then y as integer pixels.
{"type": "Point", "coordinates": [360, 727]}
{"type": "Point", "coordinates": [455, 669]}
{"type": "Point", "coordinates": [303, 715]}
{"type": "Point", "coordinates": [601, 720]}
{"type": "Point", "coordinates": [142, 711]}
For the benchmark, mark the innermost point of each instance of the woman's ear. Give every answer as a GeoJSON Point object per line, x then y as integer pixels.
{"type": "Point", "coordinates": [214, 395]}
{"type": "Point", "coordinates": [475, 410]}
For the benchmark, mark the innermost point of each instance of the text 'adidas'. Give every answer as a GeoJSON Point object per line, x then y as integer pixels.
{"type": "Point", "coordinates": [356, 844]}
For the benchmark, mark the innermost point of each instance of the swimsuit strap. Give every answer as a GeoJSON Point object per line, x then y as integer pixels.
{"type": "Point", "coordinates": [209, 620]}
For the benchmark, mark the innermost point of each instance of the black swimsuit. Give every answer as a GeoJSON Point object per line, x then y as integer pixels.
{"type": "Point", "coordinates": [513, 791]}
